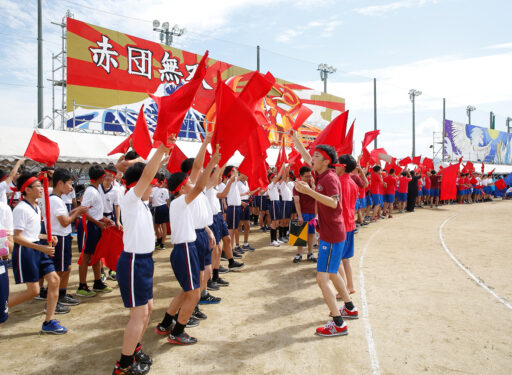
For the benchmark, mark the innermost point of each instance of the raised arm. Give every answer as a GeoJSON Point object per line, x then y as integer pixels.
{"type": "Point", "coordinates": [300, 147]}
{"type": "Point", "coordinates": [303, 187]}
{"type": "Point", "coordinates": [203, 177]}
{"type": "Point", "coordinates": [17, 166]}
{"type": "Point", "coordinates": [199, 159]}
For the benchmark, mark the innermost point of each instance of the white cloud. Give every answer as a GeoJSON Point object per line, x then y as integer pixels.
{"type": "Point", "coordinates": [500, 46]}
{"type": "Point", "coordinates": [379, 10]}
{"type": "Point", "coordinates": [327, 27]}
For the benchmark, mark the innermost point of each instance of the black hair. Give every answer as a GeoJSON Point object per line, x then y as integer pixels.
{"type": "Point", "coordinates": [96, 171]}
{"type": "Point", "coordinates": [133, 173]}
{"type": "Point", "coordinates": [111, 167]}
{"type": "Point", "coordinates": [46, 169]}
{"type": "Point", "coordinates": [131, 155]}
{"type": "Point", "coordinates": [187, 164]}
{"type": "Point", "coordinates": [2, 174]}
{"type": "Point", "coordinates": [23, 178]}
{"type": "Point", "coordinates": [330, 151]}
{"type": "Point", "coordinates": [349, 161]}
{"type": "Point", "coordinates": [227, 171]}
{"type": "Point", "coordinates": [304, 169]}
{"type": "Point", "coordinates": [432, 172]}
{"type": "Point", "coordinates": [61, 174]}
{"type": "Point", "coordinates": [392, 170]}
{"type": "Point", "coordinates": [404, 173]}
{"type": "Point", "coordinates": [160, 176]}
{"type": "Point", "coordinates": [376, 168]}
{"type": "Point", "coordinates": [174, 181]}
{"type": "Point", "coordinates": [292, 175]}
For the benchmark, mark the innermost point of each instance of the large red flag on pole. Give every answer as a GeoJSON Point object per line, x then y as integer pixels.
{"type": "Point", "coordinates": [141, 139]}
{"type": "Point", "coordinates": [175, 159]}
{"type": "Point", "coordinates": [449, 182]}
{"type": "Point", "coordinates": [304, 113]}
{"type": "Point", "coordinates": [369, 137]}
{"type": "Point", "coordinates": [348, 143]}
{"type": "Point", "coordinates": [333, 134]}
{"type": "Point", "coordinates": [42, 150]}
{"type": "Point", "coordinates": [122, 147]}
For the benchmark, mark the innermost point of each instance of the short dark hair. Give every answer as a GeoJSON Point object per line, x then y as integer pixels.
{"type": "Point", "coordinates": [227, 171]}
{"type": "Point", "coordinates": [61, 174]}
{"type": "Point", "coordinates": [131, 155]}
{"type": "Point", "coordinates": [376, 168]}
{"type": "Point", "coordinates": [330, 151]}
{"type": "Point", "coordinates": [433, 172]}
{"type": "Point", "coordinates": [187, 164]}
{"type": "Point", "coordinates": [133, 173]}
{"type": "Point", "coordinates": [45, 169]}
{"type": "Point", "coordinates": [392, 170]}
{"type": "Point", "coordinates": [292, 175]}
{"type": "Point", "coordinates": [175, 180]}
{"type": "Point", "coordinates": [111, 167]}
{"type": "Point", "coordinates": [349, 161]}
{"type": "Point", "coordinates": [160, 176]}
{"type": "Point", "coordinates": [23, 178]}
{"type": "Point", "coordinates": [96, 171]}
{"type": "Point", "coordinates": [304, 169]}
{"type": "Point", "coordinates": [404, 173]}
{"type": "Point", "coordinates": [2, 174]}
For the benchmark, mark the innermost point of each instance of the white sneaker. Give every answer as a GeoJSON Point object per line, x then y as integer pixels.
{"type": "Point", "coordinates": [276, 244]}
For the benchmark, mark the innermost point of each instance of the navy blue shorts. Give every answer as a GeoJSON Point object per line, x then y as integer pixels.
{"type": "Point", "coordinates": [389, 198]}
{"type": "Point", "coordinates": [62, 257]}
{"type": "Point", "coordinates": [308, 217]}
{"type": "Point", "coordinates": [233, 216]}
{"type": "Point", "coordinates": [161, 214]}
{"type": "Point", "coordinates": [135, 278]}
{"type": "Point", "coordinates": [217, 226]}
{"type": "Point", "coordinates": [265, 203]}
{"type": "Point", "coordinates": [348, 250]}
{"type": "Point", "coordinates": [286, 209]}
{"type": "Point", "coordinates": [369, 200]}
{"type": "Point", "coordinates": [185, 264]}
{"type": "Point", "coordinates": [434, 192]}
{"type": "Point", "coordinates": [223, 227]}
{"type": "Point", "coordinates": [275, 210]}
{"type": "Point", "coordinates": [204, 252]}
{"type": "Point", "coordinates": [245, 213]}
{"type": "Point", "coordinates": [377, 199]}
{"type": "Point", "coordinates": [329, 256]}
{"type": "Point", "coordinates": [92, 238]}
{"type": "Point", "coordinates": [29, 265]}
{"type": "Point", "coordinates": [4, 292]}
{"type": "Point", "coordinates": [253, 202]}
{"type": "Point", "coordinates": [402, 197]}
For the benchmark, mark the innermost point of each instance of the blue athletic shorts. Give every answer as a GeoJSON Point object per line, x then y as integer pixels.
{"type": "Point", "coordinates": [62, 256]}
{"type": "Point", "coordinates": [434, 192]}
{"type": "Point", "coordinates": [92, 238]}
{"type": "Point", "coordinates": [389, 198]}
{"type": "Point", "coordinates": [216, 228]}
{"type": "Point", "coordinates": [362, 203]}
{"type": "Point", "coordinates": [29, 265]}
{"type": "Point", "coordinates": [369, 200]}
{"type": "Point", "coordinates": [358, 204]}
{"type": "Point", "coordinates": [185, 265]}
{"type": "Point", "coordinates": [233, 216]}
{"type": "Point", "coordinates": [161, 214]}
{"type": "Point", "coordinates": [245, 213]}
{"type": "Point", "coordinates": [275, 210]}
{"type": "Point", "coordinates": [420, 192]}
{"type": "Point", "coordinates": [426, 192]}
{"type": "Point", "coordinates": [402, 197]}
{"type": "Point", "coordinates": [223, 227]}
{"type": "Point", "coordinates": [4, 292]}
{"type": "Point", "coordinates": [204, 252]}
{"type": "Point", "coordinates": [329, 256]}
{"type": "Point", "coordinates": [308, 217]}
{"type": "Point", "coordinates": [135, 278]}
{"type": "Point", "coordinates": [377, 199]}
{"type": "Point", "coordinates": [348, 249]}
{"type": "Point", "coordinates": [265, 203]}
{"type": "Point", "coordinates": [286, 209]}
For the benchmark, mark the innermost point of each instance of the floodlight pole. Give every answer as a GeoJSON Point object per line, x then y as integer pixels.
{"type": "Point", "coordinates": [39, 64]}
{"type": "Point", "coordinates": [375, 110]}
{"type": "Point", "coordinates": [412, 95]}
{"type": "Point", "coordinates": [508, 124]}
{"type": "Point", "coordinates": [258, 58]}
{"type": "Point", "coordinates": [469, 109]}
{"type": "Point", "coordinates": [325, 70]}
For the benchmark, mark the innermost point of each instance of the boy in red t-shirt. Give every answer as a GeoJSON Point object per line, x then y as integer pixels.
{"type": "Point", "coordinates": [403, 188]}
{"type": "Point", "coordinates": [376, 187]}
{"type": "Point", "coordinates": [389, 193]}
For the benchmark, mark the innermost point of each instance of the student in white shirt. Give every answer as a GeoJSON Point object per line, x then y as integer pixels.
{"type": "Point", "coordinates": [184, 256]}
{"type": "Point", "coordinates": [6, 245]}
{"type": "Point", "coordinates": [135, 266]}
{"type": "Point", "coordinates": [6, 179]}
{"type": "Point", "coordinates": [274, 206]}
{"type": "Point", "coordinates": [159, 200]}
{"type": "Point", "coordinates": [286, 204]}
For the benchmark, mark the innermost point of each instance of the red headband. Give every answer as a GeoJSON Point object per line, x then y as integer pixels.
{"type": "Point", "coordinates": [3, 178]}
{"type": "Point", "coordinates": [324, 154]}
{"type": "Point", "coordinates": [131, 185]}
{"type": "Point", "coordinates": [154, 182]}
{"type": "Point", "coordinates": [180, 185]}
{"type": "Point", "coordinates": [111, 172]}
{"type": "Point", "coordinates": [272, 176]}
{"type": "Point", "coordinates": [28, 183]}
{"type": "Point", "coordinates": [338, 165]}
{"type": "Point", "coordinates": [93, 181]}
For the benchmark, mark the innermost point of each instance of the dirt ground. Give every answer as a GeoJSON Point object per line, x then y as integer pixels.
{"type": "Point", "coordinates": [425, 313]}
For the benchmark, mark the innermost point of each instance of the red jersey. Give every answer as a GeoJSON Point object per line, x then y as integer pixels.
{"type": "Point", "coordinates": [376, 185]}
{"type": "Point", "coordinates": [403, 184]}
{"type": "Point", "coordinates": [332, 227]}
{"type": "Point", "coordinates": [390, 181]}
{"type": "Point", "coordinates": [427, 183]}
{"type": "Point", "coordinates": [307, 204]}
{"type": "Point", "coordinates": [349, 190]}
{"type": "Point", "coordinates": [435, 181]}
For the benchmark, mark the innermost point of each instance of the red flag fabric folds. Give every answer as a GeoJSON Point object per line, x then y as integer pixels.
{"type": "Point", "coordinates": [428, 163]}
{"type": "Point", "coordinates": [483, 167]}
{"type": "Point", "coordinates": [470, 167]}
{"type": "Point", "coordinates": [500, 184]}
{"type": "Point", "coordinates": [369, 137]}
{"type": "Point", "coordinates": [256, 88]}
{"type": "Point", "coordinates": [348, 143]}
{"type": "Point", "coordinates": [333, 134]}
{"type": "Point", "coordinates": [177, 157]}
{"type": "Point", "coordinates": [42, 150]}
{"type": "Point", "coordinates": [366, 158]}
{"type": "Point", "coordinates": [141, 139]}
{"type": "Point", "coordinates": [404, 162]}
{"type": "Point", "coordinates": [449, 182]}
{"type": "Point", "coordinates": [172, 109]}
{"type": "Point", "coordinates": [281, 158]}
{"type": "Point", "coordinates": [304, 113]}
{"type": "Point", "coordinates": [416, 160]}
{"type": "Point", "coordinates": [121, 147]}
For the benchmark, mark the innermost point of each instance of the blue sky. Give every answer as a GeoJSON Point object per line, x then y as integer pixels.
{"type": "Point", "coordinates": [456, 49]}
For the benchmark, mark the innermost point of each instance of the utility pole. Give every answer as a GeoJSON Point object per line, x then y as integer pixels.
{"type": "Point", "coordinates": [492, 118]}
{"type": "Point", "coordinates": [375, 109]}
{"type": "Point", "coordinates": [444, 128]}
{"type": "Point", "coordinates": [469, 109]}
{"type": "Point", "coordinates": [508, 124]}
{"type": "Point", "coordinates": [325, 70]}
{"type": "Point", "coordinates": [412, 95]}
{"type": "Point", "coordinates": [39, 64]}
{"type": "Point", "coordinates": [258, 58]}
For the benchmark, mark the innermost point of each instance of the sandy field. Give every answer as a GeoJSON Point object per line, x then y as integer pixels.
{"type": "Point", "coordinates": [424, 314]}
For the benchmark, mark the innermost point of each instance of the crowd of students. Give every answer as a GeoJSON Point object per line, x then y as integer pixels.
{"type": "Point", "coordinates": [207, 209]}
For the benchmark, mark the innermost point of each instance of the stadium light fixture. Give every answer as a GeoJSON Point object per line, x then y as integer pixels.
{"type": "Point", "coordinates": [166, 35]}
{"type": "Point", "coordinates": [412, 96]}
{"type": "Point", "coordinates": [325, 70]}
{"type": "Point", "coordinates": [469, 109]}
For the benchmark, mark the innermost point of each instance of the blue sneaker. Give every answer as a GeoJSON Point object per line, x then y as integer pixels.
{"type": "Point", "coordinates": [209, 299]}
{"type": "Point", "coordinates": [54, 327]}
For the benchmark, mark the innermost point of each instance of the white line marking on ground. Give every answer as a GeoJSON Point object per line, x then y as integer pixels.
{"type": "Point", "coordinates": [470, 274]}
{"type": "Point", "coordinates": [368, 328]}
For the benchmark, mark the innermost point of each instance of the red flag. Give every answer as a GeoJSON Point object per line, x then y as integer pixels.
{"type": "Point", "coordinates": [428, 163]}
{"type": "Point", "coordinates": [500, 184]}
{"type": "Point", "coordinates": [483, 167]}
{"type": "Point", "coordinates": [348, 143]}
{"type": "Point", "coordinates": [141, 139]}
{"type": "Point", "coordinates": [333, 134]}
{"type": "Point", "coordinates": [366, 158]}
{"type": "Point", "coordinates": [369, 137]}
{"type": "Point", "coordinates": [235, 120]}
{"type": "Point", "coordinates": [449, 182]}
{"type": "Point", "coordinates": [470, 167]}
{"type": "Point", "coordinates": [491, 172]}
{"type": "Point", "coordinates": [172, 109]}
{"type": "Point", "coordinates": [121, 147]}
{"type": "Point", "coordinates": [281, 158]}
{"type": "Point", "coordinates": [304, 113]}
{"type": "Point", "coordinates": [177, 157]}
{"type": "Point", "coordinates": [256, 88]}
{"type": "Point", "coordinates": [42, 150]}
{"type": "Point", "coordinates": [404, 162]}
{"type": "Point", "coordinates": [295, 160]}
{"type": "Point", "coordinates": [416, 160]}
{"type": "Point", "coordinates": [256, 173]}
{"type": "Point", "coordinates": [376, 155]}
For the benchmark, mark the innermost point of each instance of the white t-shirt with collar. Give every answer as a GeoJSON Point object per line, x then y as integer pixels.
{"type": "Point", "coordinates": [6, 222]}
{"type": "Point", "coordinates": [138, 230]}
{"type": "Point", "coordinates": [286, 192]}
{"type": "Point", "coordinates": [181, 221]}
{"type": "Point", "coordinates": [58, 208]}
{"type": "Point", "coordinates": [273, 192]}
{"type": "Point", "coordinates": [68, 198]}
{"type": "Point", "coordinates": [159, 196]}
{"type": "Point", "coordinates": [211, 194]}
{"type": "Point", "coordinates": [92, 199]}
{"type": "Point", "coordinates": [109, 197]}
{"type": "Point", "coordinates": [27, 218]}
{"type": "Point", "coordinates": [233, 198]}
{"type": "Point", "coordinates": [201, 212]}
{"type": "Point", "coordinates": [4, 188]}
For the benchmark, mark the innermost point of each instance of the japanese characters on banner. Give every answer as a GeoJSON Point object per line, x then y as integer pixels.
{"type": "Point", "coordinates": [110, 74]}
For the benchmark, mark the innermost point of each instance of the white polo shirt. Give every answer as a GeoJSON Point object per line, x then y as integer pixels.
{"type": "Point", "coordinates": [182, 224]}
{"type": "Point", "coordinates": [138, 230]}
{"type": "Point", "coordinates": [211, 194]}
{"type": "Point", "coordinates": [58, 208]}
{"type": "Point", "coordinates": [4, 188]}
{"type": "Point", "coordinates": [68, 198]}
{"type": "Point", "coordinates": [233, 198]}
{"type": "Point", "coordinates": [159, 196]}
{"type": "Point", "coordinates": [92, 200]}
{"type": "Point", "coordinates": [6, 218]}
{"type": "Point", "coordinates": [286, 192]}
{"type": "Point", "coordinates": [243, 187]}
{"type": "Point", "coordinates": [27, 218]}
{"type": "Point", "coordinates": [273, 192]}
{"type": "Point", "coordinates": [201, 212]}
{"type": "Point", "coordinates": [109, 198]}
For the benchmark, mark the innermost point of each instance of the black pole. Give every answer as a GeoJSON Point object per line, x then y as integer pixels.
{"type": "Point", "coordinates": [258, 58]}
{"type": "Point", "coordinates": [444, 129]}
{"type": "Point", "coordinates": [375, 109]}
{"type": "Point", "coordinates": [413, 128]}
{"type": "Point", "coordinates": [39, 64]}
